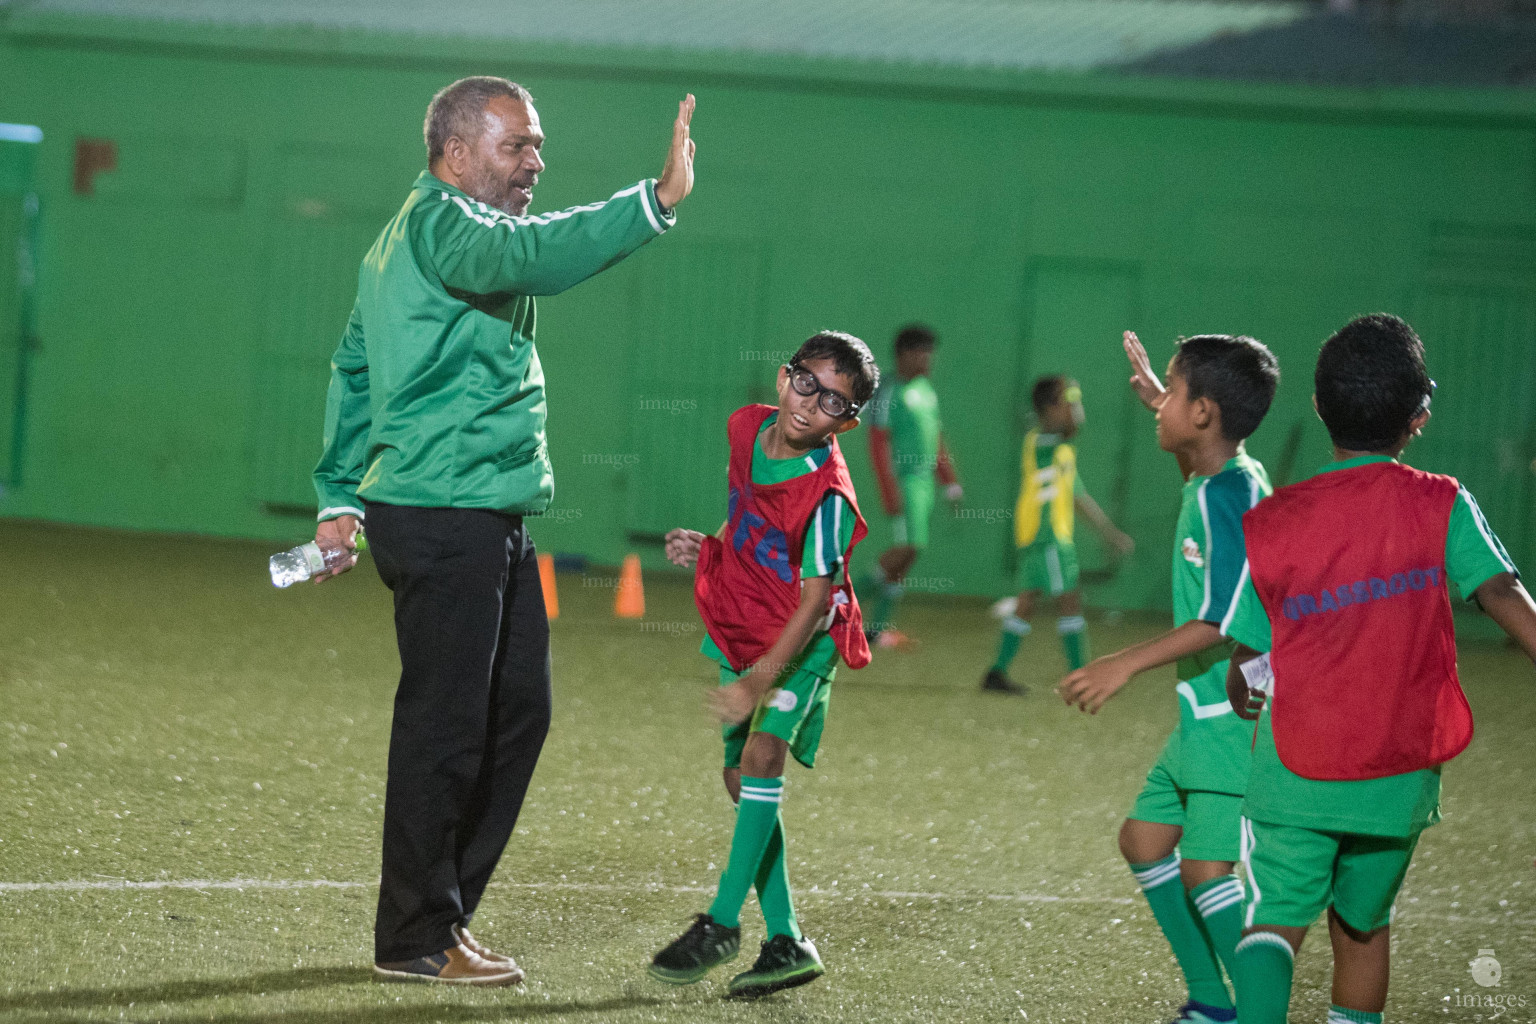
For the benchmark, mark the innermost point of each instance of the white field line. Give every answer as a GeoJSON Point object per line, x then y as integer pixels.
{"type": "Point", "coordinates": [291, 884]}
{"type": "Point", "coordinates": [285, 884]}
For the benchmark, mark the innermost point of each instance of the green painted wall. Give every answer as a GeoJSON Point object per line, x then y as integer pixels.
{"type": "Point", "coordinates": [191, 303]}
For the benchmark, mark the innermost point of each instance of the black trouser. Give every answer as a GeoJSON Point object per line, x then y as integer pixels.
{"type": "Point", "coordinates": [471, 712]}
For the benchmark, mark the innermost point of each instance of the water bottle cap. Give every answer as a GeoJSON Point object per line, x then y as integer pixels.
{"type": "Point", "coordinates": [313, 557]}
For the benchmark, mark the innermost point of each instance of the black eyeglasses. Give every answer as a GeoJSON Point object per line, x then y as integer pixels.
{"type": "Point", "coordinates": [1428, 396]}
{"type": "Point", "coordinates": [833, 403]}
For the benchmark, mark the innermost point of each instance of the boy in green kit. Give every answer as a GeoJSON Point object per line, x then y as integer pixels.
{"type": "Point", "coordinates": [1181, 838]}
{"type": "Point", "coordinates": [777, 621]}
{"type": "Point", "coordinates": [1050, 492]}
{"type": "Point", "coordinates": [910, 460]}
{"type": "Point", "coordinates": [1347, 600]}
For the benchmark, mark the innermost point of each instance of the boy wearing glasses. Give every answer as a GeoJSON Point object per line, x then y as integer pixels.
{"type": "Point", "coordinates": [1347, 587]}
{"type": "Point", "coordinates": [777, 620]}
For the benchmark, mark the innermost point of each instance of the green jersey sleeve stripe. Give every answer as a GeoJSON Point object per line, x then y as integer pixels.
{"type": "Point", "coordinates": [1495, 546]}
{"type": "Point", "coordinates": [1205, 523]}
{"type": "Point", "coordinates": [1223, 500]}
{"type": "Point", "coordinates": [1237, 596]}
{"type": "Point", "coordinates": [827, 540]}
{"type": "Point", "coordinates": [1473, 553]}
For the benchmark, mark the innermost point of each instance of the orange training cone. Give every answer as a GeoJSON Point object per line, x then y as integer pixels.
{"type": "Point", "coordinates": [547, 581]}
{"type": "Point", "coordinates": [629, 602]}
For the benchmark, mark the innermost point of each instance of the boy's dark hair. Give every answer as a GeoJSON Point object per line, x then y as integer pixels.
{"type": "Point", "coordinates": [915, 336]}
{"type": "Point", "coordinates": [1046, 392]}
{"type": "Point", "coordinates": [1371, 382]}
{"type": "Point", "coordinates": [850, 357]}
{"type": "Point", "coordinates": [1239, 374]}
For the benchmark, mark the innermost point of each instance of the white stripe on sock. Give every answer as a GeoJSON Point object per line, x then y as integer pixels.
{"type": "Point", "coordinates": [1158, 874]}
{"type": "Point", "coordinates": [1266, 939]}
{"type": "Point", "coordinates": [1209, 909]}
{"type": "Point", "coordinates": [1225, 894]}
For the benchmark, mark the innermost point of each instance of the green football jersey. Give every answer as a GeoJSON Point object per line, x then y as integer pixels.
{"type": "Point", "coordinates": [1208, 565]}
{"type": "Point", "coordinates": [909, 410]}
{"type": "Point", "coordinates": [826, 544]}
{"type": "Point", "coordinates": [1396, 805]}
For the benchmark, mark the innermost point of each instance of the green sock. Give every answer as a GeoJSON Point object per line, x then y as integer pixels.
{"type": "Point", "coordinates": [1264, 963]}
{"type": "Point", "coordinates": [1220, 905]}
{"type": "Point", "coordinates": [773, 887]}
{"type": "Point", "coordinates": [756, 817]}
{"type": "Point", "coordinates": [1164, 890]}
{"type": "Point", "coordinates": [1343, 1015]}
{"type": "Point", "coordinates": [1074, 641]}
{"type": "Point", "coordinates": [1015, 630]}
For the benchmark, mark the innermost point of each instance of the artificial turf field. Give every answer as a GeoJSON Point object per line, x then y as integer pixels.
{"type": "Point", "coordinates": [169, 718]}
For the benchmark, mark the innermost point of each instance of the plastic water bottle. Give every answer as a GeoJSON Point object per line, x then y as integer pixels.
{"type": "Point", "coordinates": [307, 560]}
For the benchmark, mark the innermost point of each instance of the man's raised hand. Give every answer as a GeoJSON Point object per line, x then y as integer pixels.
{"type": "Point", "coordinates": [1143, 378]}
{"type": "Point", "coordinates": [677, 176]}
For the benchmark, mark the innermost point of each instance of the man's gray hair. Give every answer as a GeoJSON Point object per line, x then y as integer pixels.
{"type": "Point", "coordinates": [459, 109]}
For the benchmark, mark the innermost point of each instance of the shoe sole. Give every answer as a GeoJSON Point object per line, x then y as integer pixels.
{"type": "Point", "coordinates": [486, 981]}
{"type": "Point", "coordinates": [757, 991]}
{"type": "Point", "coordinates": [666, 977]}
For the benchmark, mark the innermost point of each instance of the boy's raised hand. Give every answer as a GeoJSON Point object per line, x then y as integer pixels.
{"type": "Point", "coordinates": [1093, 684]}
{"type": "Point", "coordinates": [683, 547]}
{"type": "Point", "coordinates": [1143, 378]}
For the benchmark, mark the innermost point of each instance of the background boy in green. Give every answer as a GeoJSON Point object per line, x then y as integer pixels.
{"type": "Point", "coordinates": [1345, 846]}
{"type": "Point", "coordinates": [1050, 491]}
{"type": "Point", "coordinates": [767, 713]}
{"type": "Point", "coordinates": [1183, 833]}
{"type": "Point", "coordinates": [907, 451]}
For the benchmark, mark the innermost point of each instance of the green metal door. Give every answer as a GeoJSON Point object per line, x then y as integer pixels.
{"type": "Point", "coordinates": [18, 289]}
{"type": "Point", "coordinates": [1476, 311]}
{"type": "Point", "coordinates": [1076, 311]}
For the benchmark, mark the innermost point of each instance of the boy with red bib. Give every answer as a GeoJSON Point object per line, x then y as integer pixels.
{"type": "Point", "coordinates": [777, 620]}
{"type": "Point", "coordinates": [1350, 571]}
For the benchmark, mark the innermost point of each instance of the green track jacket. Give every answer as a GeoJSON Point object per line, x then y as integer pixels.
{"type": "Point", "coordinates": [437, 395]}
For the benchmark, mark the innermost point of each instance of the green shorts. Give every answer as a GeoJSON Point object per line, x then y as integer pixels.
{"type": "Point", "coordinates": [1212, 822]}
{"type": "Point", "coordinates": [1294, 874]}
{"type": "Point", "coordinates": [917, 497]}
{"type": "Point", "coordinates": [1048, 566]}
{"type": "Point", "coordinates": [795, 711]}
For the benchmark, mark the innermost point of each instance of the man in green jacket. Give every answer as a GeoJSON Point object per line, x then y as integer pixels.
{"type": "Point", "coordinates": [434, 430]}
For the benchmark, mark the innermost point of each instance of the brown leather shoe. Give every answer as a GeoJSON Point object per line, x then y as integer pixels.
{"type": "Point", "coordinates": [469, 942]}
{"type": "Point", "coordinates": [455, 965]}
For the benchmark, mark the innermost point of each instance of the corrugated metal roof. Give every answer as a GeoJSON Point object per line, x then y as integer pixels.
{"type": "Point", "coordinates": [1008, 35]}
{"type": "Point", "coordinates": [1356, 50]}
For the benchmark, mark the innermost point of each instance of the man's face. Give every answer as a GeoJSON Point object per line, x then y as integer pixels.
{"type": "Point", "coordinates": [503, 163]}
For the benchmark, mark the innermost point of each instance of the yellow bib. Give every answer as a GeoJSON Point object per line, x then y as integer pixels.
{"type": "Point", "coordinates": [1049, 486]}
